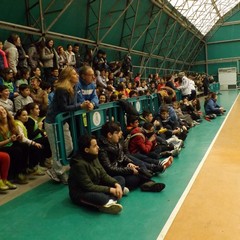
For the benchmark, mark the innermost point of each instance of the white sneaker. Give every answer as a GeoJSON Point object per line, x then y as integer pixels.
{"type": "Point", "coordinates": [53, 175]}
{"type": "Point", "coordinates": [112, 207]}
{"type": "Point", "coordinates": [125, 191]}
{"type": "Point", "coordinates": [167, 162]}
{"type": "Point", "coordinates": [196, 123]}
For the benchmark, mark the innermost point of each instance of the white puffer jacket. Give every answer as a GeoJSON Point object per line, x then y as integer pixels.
{"type": "Point", "coordinates": [12, 55]}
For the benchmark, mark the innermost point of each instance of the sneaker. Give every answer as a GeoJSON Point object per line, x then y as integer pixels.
{"type": "Point", "coordinates": [152, 186]}
{"type": "Point", "coordinates": [175, 152]}
{"type": "Point", "coordinates": [48, 163]}
{"type": "Point", "coordinates": [44, 169]}
{"type": "Point", "coordinates": [208, 119]}
{"type": "Point", "coordinates": [167, 162]}
{"type": "Point", "coordinates": [53, 175]}
{"type": "Point", "coordinates": [30, 170]}
{"type": "Point", "coordinates": [165, 154]}
{"type": "Point", "coordinates": [38, 172]}
{"type": "Point", "coordinates": [3, 186]}
{"type": "Point", "coordinates": [156, 169]}
{"type": "Point", "coordinates": [196, 123]}
{"type": "Point", "coordinates": [125, 191]}
{"type": "Point", "coordinates": [111, 207]}
{"type": "Point", "coordinates": [63, 178]}
{"type": "Point", "coordinates": [22, 178]}
{"type": "Point", "coordinates": [10, 185]}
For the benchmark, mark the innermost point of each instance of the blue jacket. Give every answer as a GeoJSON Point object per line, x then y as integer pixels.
{"type": "Point", "coordinates": [87, 92]}
{"type": "Point", "coordinates": [212, 107]}
{"type": "Point", "coordinates": [61, 102]}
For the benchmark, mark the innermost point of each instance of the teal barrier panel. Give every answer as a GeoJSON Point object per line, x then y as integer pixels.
{"type": "Point", "coordinates": [98, 117]}
{"type": "Point", "coordinates": [90, 122]}
{"type": "Point", "coordinates": [82, 122]}
{"type": "Point", "coordinates": [140, 103]}
{"type": "Point", "coordinates": [154, 103]}
{"type": "Point", "coordinates": [214, 87]}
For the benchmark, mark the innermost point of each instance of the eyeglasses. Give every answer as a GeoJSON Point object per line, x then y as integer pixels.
{"type": "Point", "coordinates": [87, 74]}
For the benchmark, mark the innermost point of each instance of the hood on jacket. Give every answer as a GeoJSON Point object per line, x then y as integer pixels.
{"type": "Point", "coordinates": [8, 45]}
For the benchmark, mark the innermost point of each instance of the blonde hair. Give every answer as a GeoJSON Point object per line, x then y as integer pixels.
{"type": "Point", "coordinates": [11, 126]}
{"type": "Point", "coordinates": [64, 80]}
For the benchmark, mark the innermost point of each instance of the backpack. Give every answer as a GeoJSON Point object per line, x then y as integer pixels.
{"type": "Point", "coordinates": [129, 136]}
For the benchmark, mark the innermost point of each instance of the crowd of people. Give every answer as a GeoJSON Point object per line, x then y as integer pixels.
{"type": "Point", "coordinates": [39, 83]}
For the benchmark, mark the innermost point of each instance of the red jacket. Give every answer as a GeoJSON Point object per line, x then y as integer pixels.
{"type": "Point", "coordinates": [139, 143]}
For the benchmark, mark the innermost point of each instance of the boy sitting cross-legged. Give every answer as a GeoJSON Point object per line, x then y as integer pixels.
{"type": "Point", "coordinates": [116, 162]}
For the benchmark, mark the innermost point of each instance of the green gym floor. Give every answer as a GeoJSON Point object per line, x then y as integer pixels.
{"type": "Point", "coordinates": [46, 212]}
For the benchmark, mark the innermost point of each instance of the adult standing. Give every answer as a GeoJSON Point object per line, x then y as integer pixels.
{"type": "Point", "coordinates": [205, 84]}
{"type": "Point", "coordinates": [49, 58]}
{"type": "Point", "coordinates": [34, 56]}
{"type": "Point", "coordinates": [64, 99]}
{"type": "Point", "coordinates": [185, 86]}
{"type": "Point", "coordinates": [10, 47]}
{"type": "Point", "coordinates": [3, 58]}
{"type": "Point", "coordinates": [78, 58]}
{"type": "Point", "coordinates": [86, 89]}
{"type": "Point", "coordinates": [71, 60]}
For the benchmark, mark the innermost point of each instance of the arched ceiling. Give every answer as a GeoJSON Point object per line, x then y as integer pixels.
{"type": "Point", "coordinates": [203, 14]}
{"type": "Point", "coordinates": [157, 36]}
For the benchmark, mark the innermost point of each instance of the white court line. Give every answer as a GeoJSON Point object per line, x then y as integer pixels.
{"type": "Point", "coordinates": [171, 218]}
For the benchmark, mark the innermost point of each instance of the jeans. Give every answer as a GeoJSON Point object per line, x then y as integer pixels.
{"type": "Point", "coordinates": [145, 158]}
{"type": "Point", "coordinates": [51, 132]}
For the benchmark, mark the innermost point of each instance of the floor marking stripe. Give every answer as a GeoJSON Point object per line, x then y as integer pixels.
{"type": "Point", "coordinates": [171, 218]}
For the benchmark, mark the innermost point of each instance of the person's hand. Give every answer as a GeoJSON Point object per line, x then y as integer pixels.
{"type": "Point", "coordinates": [135, 171]}
{"type": "Point", "coordinates": [87, 105]}
{"type": "Point", "coordinates": [152, 138]}
{"type": "Point", "coordinates": [13, 138]}
{"type": "Point", "coordinates": [131, 165]}
{"type": "Point", "coordinates": [117, 191]}
{"type": "Point", "coordinates": [156, 123]}
{"type": "Point", "coordinates": [176, 131]}
{"type": "Point", "coordinates": [38, 145]}
{"type": "Point", "coordinates": [90, 106]}
{"type": "Point", "coordinates": [19, 137]}
{"type": "Point", "coordinates": [134, 168]}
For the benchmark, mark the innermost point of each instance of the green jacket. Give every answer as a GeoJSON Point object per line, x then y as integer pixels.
{"type": "Point", "coordinates": [89, 176]}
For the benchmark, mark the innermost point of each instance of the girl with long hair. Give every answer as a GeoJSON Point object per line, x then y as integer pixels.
{"type": "Point", "coordinates": [64, 99]}
{"type": "Point", "coordinates": [11, 143]}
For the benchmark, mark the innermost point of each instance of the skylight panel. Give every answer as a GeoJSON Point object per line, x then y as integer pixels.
{"type": "Point", "coordinates": [203, 14]}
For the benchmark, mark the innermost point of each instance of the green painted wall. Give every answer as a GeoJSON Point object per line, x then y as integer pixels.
{"type": "Point", "coordinates": [152, 31]}
{"type": "Point", "coordinates": [223, 48]}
